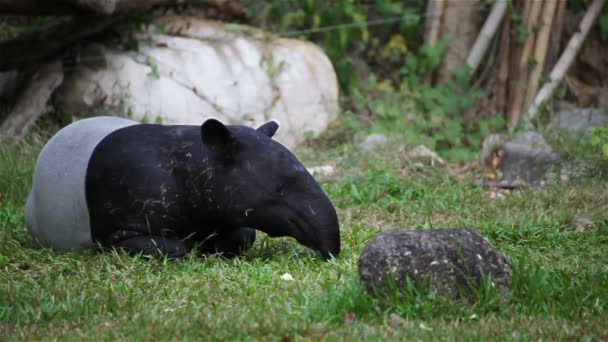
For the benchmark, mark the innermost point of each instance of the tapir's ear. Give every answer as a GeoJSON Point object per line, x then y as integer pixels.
{"type": "Point", "coordinates": [269, 128]}
{"type": "Point", "coordinates": [216, 136]}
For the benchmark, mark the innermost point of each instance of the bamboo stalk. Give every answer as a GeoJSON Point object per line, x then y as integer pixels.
{"type": "Point", "coordinates": [555, 37]}
{"type": "Point", "coordinates": [540, 51]}
{"type": "Point", "coordinates": [566, 59]}
{"type": "Point", "coordinates": [503, 68]}
{"type": "Point", "coordinates": [434, 13]}
{"type": "Point", "coordinates": [486, 34]}
{"type": "Point", "coordinates": [519, 90]}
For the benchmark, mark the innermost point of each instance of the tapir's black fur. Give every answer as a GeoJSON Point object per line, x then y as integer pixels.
{"type": "Point", "coordinates": [169, 188]}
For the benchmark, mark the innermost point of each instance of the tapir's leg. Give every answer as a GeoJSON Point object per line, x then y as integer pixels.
{"type": "Point", "coordinates": [231, 244]}
{"type": "Point", "coordinates": [135, 242]}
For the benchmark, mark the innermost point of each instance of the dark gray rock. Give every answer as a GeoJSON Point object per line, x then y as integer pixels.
{"type": "Point", "coordinates": [527, 157]}
{"type": "Point", "coordinates": [580, 120]}
{"type": "Point", "coordinates": [451, 259]}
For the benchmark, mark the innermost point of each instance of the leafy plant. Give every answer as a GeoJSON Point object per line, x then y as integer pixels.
{"type": "Point", "coordinates": [349, 31]}
{"type": "Point", "coordinates": [599, 139]}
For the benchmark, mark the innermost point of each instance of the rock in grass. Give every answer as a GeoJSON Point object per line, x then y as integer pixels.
{"type": "Point", "coordinates": [527, 157]}
{"type": "Point", "coordinates": [425, 155]}
{"type": "Point", "coordinates": [580, 120]}
{"type": "Point", "coordinates": [581, 224]}
{"type": "Point", "coordinates": [451, 259]}
{"type": "Point", "coordinates": [373, 142]}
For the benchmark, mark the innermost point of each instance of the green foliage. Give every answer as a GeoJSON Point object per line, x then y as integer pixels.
{"type": "Point", "coordinates": [431, 115]}
{"type": "Point", "coordinates": [599, 139]}
{"type": "Point", "coordinates": [154, 73]}
{"type": "Point", "coordinates": [603, 24]}
{"type": "Point", "coordinates": [353, 41]}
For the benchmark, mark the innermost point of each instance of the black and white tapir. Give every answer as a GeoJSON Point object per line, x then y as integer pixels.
{"type": "Point", "coordinates": [147, 188]}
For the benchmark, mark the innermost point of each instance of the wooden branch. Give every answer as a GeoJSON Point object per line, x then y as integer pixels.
{"type": "Point", "coordinates": [31, 103]}
{"type": "Point", "coordinates": [37, 46]}
{"type": "Point", "coordinates": [540, 51]}
{"type": "Point", "coordinates": [566, 59]}
{"type": "Point", "coordinates": [96, 7]}
{"type": "Point", "coordinates": [486, 34]}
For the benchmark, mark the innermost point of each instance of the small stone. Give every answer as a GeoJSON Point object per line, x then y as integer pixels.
{"type": "Point", "coordinates": [423, 154]}
{"type": "Point", "coordinates": [287, 277]}
{"type": "Point", "coordinates": [396, 321]}
{"type": "Point", "coordinates": [372, 142]}
{"type": "Point", "coordinates": [466, 257]}
{"type": "Point", "coordinates": [349, 318]}
{"type": "Point", "coordinates": [581, 224]}
{"type": "Point", "coordinates": [318, 328]}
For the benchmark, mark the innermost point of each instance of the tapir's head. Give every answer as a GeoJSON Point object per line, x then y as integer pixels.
{"type": "Point", "coordinates": [260, 184]}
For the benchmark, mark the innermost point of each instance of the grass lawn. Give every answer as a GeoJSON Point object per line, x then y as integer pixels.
{"type": "Point", "coordinates": [559, 289]}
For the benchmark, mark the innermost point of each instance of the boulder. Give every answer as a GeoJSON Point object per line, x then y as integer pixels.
{"type": "Point", "coordinates": [580, 120]}
{"type": "Point", "coordinates": [451, 259]}
{"type": "Point", "coordinates": [192, 69]}
{"type": "Point", "coordinates": [527, 157]}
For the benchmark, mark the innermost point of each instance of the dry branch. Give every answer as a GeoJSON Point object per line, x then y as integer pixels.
{"type": "Point", "coordinates": [566, 59]}
{"type": "Point", "coordinates": [32, 102]}
{"type": "Point", "coordinates": [37, 46]}
{"type": "Point", "coordinates": [487, 33]}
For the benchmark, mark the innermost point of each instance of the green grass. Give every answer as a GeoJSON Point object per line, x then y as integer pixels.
{"type": "Point", "coordinates": [559, 288]}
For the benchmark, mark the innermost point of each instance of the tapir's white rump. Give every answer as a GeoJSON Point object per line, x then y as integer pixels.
{"type": "Point", "coordinates": [56, 212]}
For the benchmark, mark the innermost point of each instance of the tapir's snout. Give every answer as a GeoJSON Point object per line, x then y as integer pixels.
{"type": "Point", "coordinates": [320, 230]}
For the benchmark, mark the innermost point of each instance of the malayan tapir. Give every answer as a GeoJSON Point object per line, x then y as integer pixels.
{"type": "Point", "coordinates": [150, 188]}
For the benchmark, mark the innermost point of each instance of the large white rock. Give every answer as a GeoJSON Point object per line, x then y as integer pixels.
{"type": "Point", "coordinates": [196, 69]}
